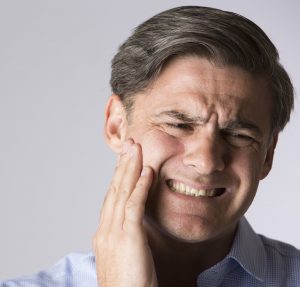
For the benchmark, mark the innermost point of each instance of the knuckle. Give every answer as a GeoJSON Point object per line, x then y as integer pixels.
{"type": "Point", "coordinates": [116, 201]}
{"type": "Point", "coordinates": [117, 166]}
{"type": "Point", "coordinates": [120, 198]}
{"type": "Point", "coordinates": [105, 200]}
{"type": "Point", "coordinates": [113, 189]}
{"type": "Point", "coordinates": [131, 206]}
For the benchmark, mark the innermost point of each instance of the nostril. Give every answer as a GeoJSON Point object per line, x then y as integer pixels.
{"type": "Point", "coordinates": [205, 161]}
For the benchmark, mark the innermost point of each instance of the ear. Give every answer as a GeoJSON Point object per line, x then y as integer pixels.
{"type": "Point", "coordinates": [269, 157]}
{"type": "Point", "coordinates": [115, 123]}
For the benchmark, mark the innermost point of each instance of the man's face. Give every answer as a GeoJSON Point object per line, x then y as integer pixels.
{"type": "Point", "coordinates": [205, 131]}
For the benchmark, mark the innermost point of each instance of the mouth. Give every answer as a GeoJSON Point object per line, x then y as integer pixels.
{"type": "Point", "coordinates": [182, 188]}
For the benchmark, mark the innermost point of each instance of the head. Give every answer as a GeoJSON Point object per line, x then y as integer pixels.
{"type": "Point", "coordinates": [192, 84]}
{"type": "Point", "coordinates": [222, 37]}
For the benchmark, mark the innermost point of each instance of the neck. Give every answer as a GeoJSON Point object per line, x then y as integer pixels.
{"type": "Point", "coordinates": [177, 262]}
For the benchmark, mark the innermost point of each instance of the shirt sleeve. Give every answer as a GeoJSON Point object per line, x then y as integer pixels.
{"type": "Point", "coordinates": [74, 270]}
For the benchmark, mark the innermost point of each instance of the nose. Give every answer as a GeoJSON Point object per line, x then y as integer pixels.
{"type": "Point", "coordinates": [205, 153]}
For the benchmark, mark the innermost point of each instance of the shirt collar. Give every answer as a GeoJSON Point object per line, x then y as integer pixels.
{"type": "Point", "coordinates": [248, 250]}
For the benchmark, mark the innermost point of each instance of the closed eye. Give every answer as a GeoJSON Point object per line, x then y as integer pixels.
{"type": "Point", "coordinates": [181, 126]}
{"type": "Point", "coordinates": [238, 139]}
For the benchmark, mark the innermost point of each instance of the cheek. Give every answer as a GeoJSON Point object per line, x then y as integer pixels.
{"type": "Point", "coordinates": [247, 165]}
{"type": "Point", "coordinates": [158, 147]}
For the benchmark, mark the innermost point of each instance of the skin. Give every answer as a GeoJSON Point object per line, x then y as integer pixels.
{"type": "Point", "coordinates": [205, 126]}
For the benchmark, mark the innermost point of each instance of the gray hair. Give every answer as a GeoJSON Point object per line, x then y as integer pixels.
{"type": "Point", "coordinates": [222, 37]}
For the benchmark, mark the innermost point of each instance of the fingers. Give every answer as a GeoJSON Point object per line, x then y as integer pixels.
{"type": "Point", "coordinates": [120, 238]}
{"type": "Point", "coordinates": [128, 191]}
{"type": "Point", "coordinates": [135, 206]}
{"type": "Point", "coordinates": [127, 184]}
{"type": "Point", "coordinates": [107, 210]}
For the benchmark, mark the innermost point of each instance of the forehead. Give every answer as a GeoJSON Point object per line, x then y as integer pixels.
{"type": "Point", "coordinates": [196, 86]}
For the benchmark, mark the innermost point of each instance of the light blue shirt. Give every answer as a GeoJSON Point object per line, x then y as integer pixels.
{"type": "Point", "coordinates": [253, 260]}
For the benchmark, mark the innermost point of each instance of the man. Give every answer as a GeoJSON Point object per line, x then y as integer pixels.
{"type": "Point", "coordinates": [199, 99]}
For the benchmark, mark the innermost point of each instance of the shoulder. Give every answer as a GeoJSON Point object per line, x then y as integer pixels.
{"type": "Point", "coordinates": [282, 258]}
{"type": "Point", "coordinates": [75, 269]}
{"type": "Point", "coordinates": [279, 249]}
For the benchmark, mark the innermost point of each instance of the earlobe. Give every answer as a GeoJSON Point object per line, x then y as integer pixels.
{"type": "Point", "coordinates": [269, 157]}
{"type": "Point", "coordinates": [115, 123]}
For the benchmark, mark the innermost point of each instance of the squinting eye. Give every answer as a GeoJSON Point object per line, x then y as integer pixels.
{"type": "Point", "coordinates": [181, 126]}
{"type": "Point", "coordinates": [238, 140]}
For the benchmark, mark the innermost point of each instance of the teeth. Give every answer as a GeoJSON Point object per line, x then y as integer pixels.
{"type": "Point", "coordinates": [182, 187]}
{"type": "Point", "coordinates": [194, 191]}
{"type": "Point", "coordinates": [185, 189]}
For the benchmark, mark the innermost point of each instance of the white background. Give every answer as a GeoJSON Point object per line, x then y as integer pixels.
{"type": "Point", "coordinates": [54, 82]}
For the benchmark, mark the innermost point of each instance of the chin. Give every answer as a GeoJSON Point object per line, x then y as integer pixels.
{"type": "Point", "coordinates": [181, 230]}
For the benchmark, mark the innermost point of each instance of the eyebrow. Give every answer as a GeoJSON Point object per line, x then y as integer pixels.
{"type": "Point", "coordinates": [237, 123]}
{"type": "Point", "coordinates": [181, 116]}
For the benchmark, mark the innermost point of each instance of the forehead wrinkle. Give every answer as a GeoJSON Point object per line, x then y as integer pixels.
{"type": "Point", "coordinates": [200, 112]}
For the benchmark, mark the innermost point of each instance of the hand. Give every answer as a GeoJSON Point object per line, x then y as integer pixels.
{"type": "Point", "coordinates": [123, 256]}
